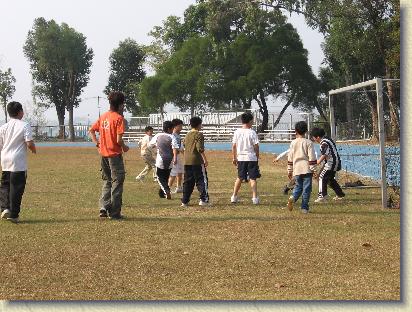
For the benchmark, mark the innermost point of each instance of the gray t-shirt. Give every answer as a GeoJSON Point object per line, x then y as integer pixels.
{"type": "Point", "coordinates": [163, 142]}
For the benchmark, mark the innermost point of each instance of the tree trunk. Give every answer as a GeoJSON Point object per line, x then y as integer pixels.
{"type": "Point", "coordinates": [264, 111]}
{"type": "Point", "coordinates": [374, 112]}
{"type": "Point", "coordinates": [5, 109]}
{"type": "Point", "coordinates": [192, 110]}
{"type": "Point", "coordinates": [60, 117]}
{"type": "Point", "coordinates": [393, 112]}
{"type": "Point", "coordinates": [71, 126]}
{"type": "Point", "coordinates": [283, 110]}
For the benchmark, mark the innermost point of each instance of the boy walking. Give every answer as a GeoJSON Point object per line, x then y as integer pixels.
{"type": "Point", "coordinates": [245, 150]}
{"type": "Point", "coordinates": [178, 157]}
{"type": "Point", "coordinates": [301, 165]}
{"type": "Point", "coordinates": [111, 147]}
{"type": "Point", "coordinates": [164, 158]}
{"type": "Point", "coordinates": [147, 154]}
{"type": "Point", "coordinates": [15, 137]}
{"type": "Point", "coordinates": [332, 163]}
{"type": "Point", "coordinates": [195, 164]}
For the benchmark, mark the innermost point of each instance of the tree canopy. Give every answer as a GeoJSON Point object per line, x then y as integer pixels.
{"type": "Point", "coordinates": [7, 88]}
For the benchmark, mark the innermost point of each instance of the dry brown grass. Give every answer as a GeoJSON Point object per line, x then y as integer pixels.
{"type": "Point", "coordinates": [61, 250]}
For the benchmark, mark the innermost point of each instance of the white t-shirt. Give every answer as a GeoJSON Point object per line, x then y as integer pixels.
{"type": "Point", "coordinates": [163, 142]}
{"type": "Point", "coordinates": [13, 138]}
{"type": "Point", "coordinates": [245, 140]}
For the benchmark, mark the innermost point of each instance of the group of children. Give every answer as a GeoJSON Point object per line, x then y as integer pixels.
{"type": "Point", "coordinates": [184, 162]}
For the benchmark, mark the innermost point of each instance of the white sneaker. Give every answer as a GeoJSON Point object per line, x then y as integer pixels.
{"type": "Point", "coordinates": [234, 199]}
{"type": "Point", "coordinates": [255, 201]}
{"type": "Point", "coordinates": [5, 214]}
{"type": "Point", "coordinates": [179, 190]}
{"type": "Point", "coordinates": [139, 178]}
{"type": "Point", "coordinates": [320, 200]}
{"type": "Point", "coordinates": [202, 203]}
{"type": "Point", "coordinates": [13, 220]}
{"type": "Point", "coordinates": [184, 205]}
{"type": "Point", "coordinates": [337, 198]}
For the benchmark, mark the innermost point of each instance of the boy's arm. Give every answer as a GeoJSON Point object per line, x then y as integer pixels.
{"type": "Point", "coordinates": [234, 159]}
{"type": "Point", "coordinates": [281, 155]}
{"type": "Point", "coordinates": [205, 162]}
{"type": "Point", "coordinates": [312, 157]}
{"type": "Point", "coordinates": [256, 148]}
{"type": "Point", "coordinates": [322, 158]}
{"type": "Point", "coordinates": [290, 163]}
{"type": "Point", "coordinates": [92, 133]}
{"type": "Point", "coordinates": [31, 146]}
{"type": "Point", "coordinates": [175, 153]}
{"type": "Point", "coordinates": [120, 141]}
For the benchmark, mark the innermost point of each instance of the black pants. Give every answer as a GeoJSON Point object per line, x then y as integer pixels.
{"type": "Point", "coordinates": [195, 174]}
{"type": "Point", "coordinates": [163, 180]}
{"type": "Point", "coordinates": [328, 177]}
{"type": "Point", "coordinates": [11, 191]}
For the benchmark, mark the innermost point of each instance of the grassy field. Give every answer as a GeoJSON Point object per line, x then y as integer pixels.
{"type": "Point", "coordinates": [61, 250]}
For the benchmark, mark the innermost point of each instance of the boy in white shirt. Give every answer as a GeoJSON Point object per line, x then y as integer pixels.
{"type": "Point", "coordinates": [147, 154]}
{"type": "Point", "coordinates": [178, 157]}
{"type": "Point", "coordinates": [15, 137]}
{"type": "Point", "coordinates": [245, 150]}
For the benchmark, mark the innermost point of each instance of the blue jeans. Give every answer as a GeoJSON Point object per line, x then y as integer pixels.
{"type": "Point", "coordinates": [303, 187]}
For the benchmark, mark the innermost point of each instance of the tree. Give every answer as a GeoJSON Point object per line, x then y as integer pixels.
{"type": "Point", "coordinates": [60, 64]}
{"type": "Point", "coordinates": [7, 88]}
{"type": "Point", "coordinates": [126, 72]}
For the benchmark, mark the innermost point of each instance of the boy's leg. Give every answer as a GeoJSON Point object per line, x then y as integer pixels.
{"type": "Point", "coordinates": [202, 182]}
{"type": "Point", "coordinates": [106, 198]}
{"type": "Point", "coordinates": [253, 186]}
{"type": "Point", "coordinates": [162, 179]}
{"type": "Point", "coordinates": [5, 190]}
{"type": "Point", "coordinates": [118, 175]}
{"type": "Point", "coordinates": [179, 180]}
{"type": "Point", "coordinates": [307, 189]}
{"type": "Point", "coordinates": [188, 184]}
{"type": "Point", "coordinates": [236, 188]}
{"type": "Point", "coordinates": [17, 186]}
{"type": "Point", "coordinates": [335, 185]}
{"type": "Point", "coordinates": [323, 183]}
{"type": "Point", "coordinates": [298, 189]}
{"type": "Point", "coordinates": [254, 174]}
{"type": "Point", "coordinates": [172, 179]}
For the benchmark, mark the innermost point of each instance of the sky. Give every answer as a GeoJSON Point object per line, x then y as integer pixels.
{"type": "Point", "coordinates": [104, 23]}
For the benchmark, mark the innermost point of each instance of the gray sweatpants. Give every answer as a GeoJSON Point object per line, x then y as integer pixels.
{"type": "Point", "coordinates": [113, 175]}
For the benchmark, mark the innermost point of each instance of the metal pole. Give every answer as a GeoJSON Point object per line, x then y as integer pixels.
{"type": "Point", "coordinates": [332, 119]}
{"type": "Point", "coordinates": [98, 105]}
{"type": "Point", "coordinates": [291, 127]}
{"type": "Point", "coordinates": [381, 125]}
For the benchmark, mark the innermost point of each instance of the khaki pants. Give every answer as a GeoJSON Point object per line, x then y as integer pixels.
{"type": "Point", "coordinates": [150, 164]}
{"type": "Point", "coordinates": [113, 175]}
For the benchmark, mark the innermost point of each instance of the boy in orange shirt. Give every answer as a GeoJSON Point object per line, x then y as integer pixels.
{"type": "Point", "coordinates": [111, 146]}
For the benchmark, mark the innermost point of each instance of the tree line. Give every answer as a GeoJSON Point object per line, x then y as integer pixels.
{"type": "Point", "coordinates": [228, 54]}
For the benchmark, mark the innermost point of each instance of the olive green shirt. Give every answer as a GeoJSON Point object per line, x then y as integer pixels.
{"type": "Point", "coordinates": [194, 146]}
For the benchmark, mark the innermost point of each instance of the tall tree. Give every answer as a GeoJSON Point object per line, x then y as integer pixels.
{"type": "Point", "coordinates": [126, 72]}
{"type": "Point", "coordinates": [60, 64]}
{"type": "Point", "coordinates": [7, 88]}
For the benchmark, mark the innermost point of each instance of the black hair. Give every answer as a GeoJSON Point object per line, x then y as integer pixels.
{"type": "Point", "coordinates": [177, 122]}
{"type": "Point", "coordinates": [14, 108]}
{"type": "Point", "coordinates": [301, 127]}
{"type": "Point", "coordinates": [167, 125]}
{"type": "Point", "coordinates": [148, 128]}
{"type": "Point", "coordinates": [317, 132]}
{"type": "Point", "coordinates": [116, 98]}
{"type": "Point", "coordinates": [195, 122]}
{"type": "Point", "coordinates": [246, 117]}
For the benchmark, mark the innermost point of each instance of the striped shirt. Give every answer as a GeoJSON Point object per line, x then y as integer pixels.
{"type": "Point", "coordinates": [328, 148]}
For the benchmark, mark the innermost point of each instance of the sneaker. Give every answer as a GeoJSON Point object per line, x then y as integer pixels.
{"type": "Point", "coordinates": [234, 199]}
{"type": "Point", "coordinates": [291, 201]}
{"type": "Point", "coordinates": [139, 178]}
{"type": "Point", "coordinates": [337, 198]}
{"type": "Point", "coordinates": [5, 214]}
{"type": "Point", "coordinates": [103, 213]}
{"type": "Point", "coordinates": [255, 201]}
{"type": "Point", "coordinates": [304, 211]}
{"type": "Point", "coordinates": [320, 200]}
{"type": "Point", "coordinates": [179, 190]}
{"type": "Point", "coordinates": [168, 195]}
{"type": "Point", "coordinates": [202, 203]}
{"type": "Point", "coordinates": [184, 205]}
{"type": "Point", "coordinates": [13, 220]}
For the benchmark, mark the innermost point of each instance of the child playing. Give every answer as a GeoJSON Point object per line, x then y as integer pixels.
{"type": "Point", "coordinates": [111, 148]}
{"type": "Point", "coordinates": [245, 150]}
{"type": "Point", "coordinates": [301, 165]}
{"type": "Point", "coordinates": [331, 158]}
{"type": "Point", "coordinates": [178, 160]}
{"type": "Point", "coordinates": [15, 138]}
{"type": "Point", "coordinates": [195, 164]}
{"type": "Point", "coordinates": [164, 158]}
{"type": "Point", "coordinates": [147, 154]}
